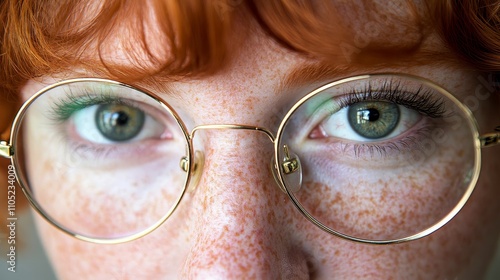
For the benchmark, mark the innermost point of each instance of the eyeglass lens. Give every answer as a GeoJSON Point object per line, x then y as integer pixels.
{"type": "Point", "coordinates": [105, 153]}
{"type": "Point", "coordinates": [382, 158]}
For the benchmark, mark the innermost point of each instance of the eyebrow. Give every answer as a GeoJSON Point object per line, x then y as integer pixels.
{"type": "Point", "coordinates": [306, 74]}
{"type": "Point", "coordinates": [158, 85]}
{"type": "Point", "coordinates": [326, 71]}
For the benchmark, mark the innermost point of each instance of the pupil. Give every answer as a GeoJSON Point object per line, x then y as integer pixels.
{"type": "Point", "coordinates": [368, 115]}
{"type": "Point", "coordinates": [120, 118]}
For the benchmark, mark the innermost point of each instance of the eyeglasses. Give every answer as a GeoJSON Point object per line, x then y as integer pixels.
{"type": "Point", "coordinates": [379, 159]}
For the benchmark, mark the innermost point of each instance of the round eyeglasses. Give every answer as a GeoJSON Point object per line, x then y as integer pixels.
{"type": "Point", "coordinates": [380, 159]}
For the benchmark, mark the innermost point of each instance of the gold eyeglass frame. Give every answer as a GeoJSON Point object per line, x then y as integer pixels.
{"type": "Point", "coordinates": [192, 163]}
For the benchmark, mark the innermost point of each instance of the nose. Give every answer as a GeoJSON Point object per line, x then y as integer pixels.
{"type": "Point", "coordinates": [241, 226]}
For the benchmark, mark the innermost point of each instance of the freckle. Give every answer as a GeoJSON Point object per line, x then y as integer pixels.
{"type": "Point", "coordinates": [270, 218]}
{"type": "Point", "coordinates": [384, 195]}
{"type": "Point", "coordinates": [258, 254]}
{"type": "Point", "coordinates": [250, 103]}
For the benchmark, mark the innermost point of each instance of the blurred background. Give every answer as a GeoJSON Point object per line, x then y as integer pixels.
{"type": "Point", "coordinates": [31, 261]}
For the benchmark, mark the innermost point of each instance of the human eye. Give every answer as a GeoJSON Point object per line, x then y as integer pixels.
{"type": "Point", "coordinates": [379, 118]}
{"type": "Point", "coordinates": [103, 120]}
{"type": "Point", "coordinates": [106, 122]}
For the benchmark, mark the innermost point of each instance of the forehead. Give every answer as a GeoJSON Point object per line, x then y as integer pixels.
{"type": "Point", "coordinates": [401, 23]}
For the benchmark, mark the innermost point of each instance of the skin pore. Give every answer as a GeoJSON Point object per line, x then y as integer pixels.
{"type": "Point", "coordinates": [237, 223]}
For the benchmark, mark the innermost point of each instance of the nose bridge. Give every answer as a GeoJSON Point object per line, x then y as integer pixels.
{"type": "Point", "coordinates": [199, 158]}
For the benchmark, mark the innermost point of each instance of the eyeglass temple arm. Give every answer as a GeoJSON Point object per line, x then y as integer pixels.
{"type": "Point", "coordinates": [490, 139]}
{"type": "Point", "coordinates": [6, 150]}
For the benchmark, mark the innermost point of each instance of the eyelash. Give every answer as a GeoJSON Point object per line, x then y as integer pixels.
{"type": "Point", "coordinates": [419, 100]}
{"type": "Point", "coordinates": [65, 107]}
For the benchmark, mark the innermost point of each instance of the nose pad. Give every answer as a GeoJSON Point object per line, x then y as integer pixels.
{"type": "Point", "coordinates": [291, 169]}
{"type": "Point", "coordinates": [199, 160]}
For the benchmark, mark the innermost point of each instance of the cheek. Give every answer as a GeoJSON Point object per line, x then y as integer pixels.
{"type": "Point", "coordinates": [462, 249]}
{"type": "Point", "coordinates": [104, 204]}
{"type": "Point", "coordinates": [106, 199]}
{"type": "Point", "coordinates": [153, 256]}
{"type": "Point", "coordinates": [371, 199]}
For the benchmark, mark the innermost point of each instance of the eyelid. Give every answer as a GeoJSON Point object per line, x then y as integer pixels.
{"type": "Point", "coordinates": [424, 102]}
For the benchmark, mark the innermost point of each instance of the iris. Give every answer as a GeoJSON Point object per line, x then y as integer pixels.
{"type": "Point", "coordinates": [373, 120]}
{"type": "Point", "coordinates": [119, 122]}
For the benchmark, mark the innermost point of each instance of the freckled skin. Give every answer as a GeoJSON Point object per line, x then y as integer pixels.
{"type": "Point", "coordinates": [237, 224]}
{"type": "Point", "coordinates": [383, 200]}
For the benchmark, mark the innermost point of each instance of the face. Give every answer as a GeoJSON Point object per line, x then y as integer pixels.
{"type": "Point", "coordinates": [236, 222]}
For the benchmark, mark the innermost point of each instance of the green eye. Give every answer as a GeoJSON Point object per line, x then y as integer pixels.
{"type": "Point", "coordinates": [119, 122]}
{"type": "Point", "coordinates": [373, 119]}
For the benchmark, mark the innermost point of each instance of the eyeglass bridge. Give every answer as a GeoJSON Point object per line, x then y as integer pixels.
{"type": "Point", "coordinates": [291, 163]}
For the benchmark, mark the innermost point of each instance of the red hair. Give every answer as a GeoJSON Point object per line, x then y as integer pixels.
{"type": "Point", "coordinates": [472, 30]}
